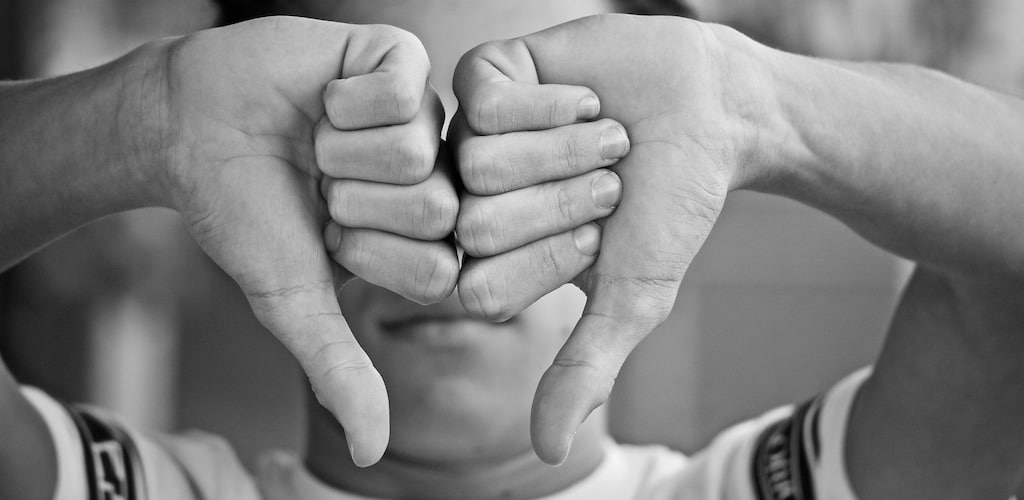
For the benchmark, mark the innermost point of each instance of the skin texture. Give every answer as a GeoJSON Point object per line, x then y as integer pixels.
{"type": "Point", "coordinates": [729, 114]}
{"type": "Point", "coordinates": [235, 140]}
{"type": "Point", "coordinates": [460, 387]}
{"type": "Point", "coordinates": [939, 419]}
{"type": "Point", "coordinates": [678, 172]}
{"type": "Point", "coordinates": [253, 202]}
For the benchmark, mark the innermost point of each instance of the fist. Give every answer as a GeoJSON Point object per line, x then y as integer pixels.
{"type": "Point", "coordinates": [393, 205]}
{"type": "Point", "coordinates": [257, 112]}
{"type": "Point", "coordinates": [684, 101]}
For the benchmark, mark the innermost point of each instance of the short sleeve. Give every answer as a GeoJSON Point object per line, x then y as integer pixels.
{"type": "Point", "coordinates": [790, 453]}
{"type": "Point", "coordinates": [193, 466]}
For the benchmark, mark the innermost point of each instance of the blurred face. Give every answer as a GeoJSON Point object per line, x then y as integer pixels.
{"type": "Point", "coordinates": [460, 389]}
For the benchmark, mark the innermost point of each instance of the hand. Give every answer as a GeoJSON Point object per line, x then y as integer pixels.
{"type": "Point", "coordinates": [687, 132]}
{"type": "Point", "coordinates": [392, 223]}
{"type": "Point", "coordinates": [530, 197]}
{"type": "Point", "coordinates": [244, 104]}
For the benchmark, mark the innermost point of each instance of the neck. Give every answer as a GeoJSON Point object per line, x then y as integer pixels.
{"type": "Point", "coordinates": [518, 474]}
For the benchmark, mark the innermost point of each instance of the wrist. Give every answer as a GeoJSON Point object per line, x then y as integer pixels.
{"type": "Point", "coordinates": [146, 123]}
{"type": "Point", "coordinates": [755, 93]}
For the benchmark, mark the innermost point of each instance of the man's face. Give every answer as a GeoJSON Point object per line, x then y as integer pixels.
{"type": "Point", "coordinates": [460, 389]}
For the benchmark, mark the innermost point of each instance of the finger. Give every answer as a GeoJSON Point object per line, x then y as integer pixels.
{"type": "Point", "coordinates": [489, 225]}
{"type": "Point", "coordinates": [267, 238]}
{"type": "Point", "coordinates": [308, 321]}
{"type": "Point", "coordinates": [424, 211]}
{"type": "Point", "coordinates": [421, 271]}
{"type": "Point", "coordinates": [497, 88]}
{"type": "Point", "coordinates": [497, 288]}
{"type": "Point", "coordinates": [399, 154]}
{"type": "Point", "coordinates": [618, 315]}
{"type": "Point", "coordinates": [630, 291]}
{"type": "Point", "coordinates": [384, 72]}
{"type": "Point", "coordinates": [501, 163]}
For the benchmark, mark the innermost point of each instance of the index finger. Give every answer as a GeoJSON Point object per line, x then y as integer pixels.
{"type": "Point", "coordinates": [499, 91]}
{"type": "Point", "coordinates": [383, 77]}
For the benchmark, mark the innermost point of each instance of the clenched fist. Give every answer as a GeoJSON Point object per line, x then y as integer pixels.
{"type": "Point", "coordinates": [255, 113]}
{"type": "Point", "coordinates": [681, 101]}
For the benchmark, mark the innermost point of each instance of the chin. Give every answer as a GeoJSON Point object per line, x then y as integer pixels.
{"type": "Point", "coordinates": [459, 422]}
{"type": "Point", "coordinates": [460, 390]}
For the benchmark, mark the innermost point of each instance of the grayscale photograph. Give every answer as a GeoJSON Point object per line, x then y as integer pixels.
{"type": "Point", "coordinates": [511, 250]}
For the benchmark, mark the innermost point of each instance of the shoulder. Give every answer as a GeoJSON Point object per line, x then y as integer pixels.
{"type": "Point", "coordinates": [791, 452]}
{"type": "Point", "coordinates": [206, 463]}
{"type": "Point", "coordinates": [98, 453]}
{"type": "Point", "coordinates": [651, 462]}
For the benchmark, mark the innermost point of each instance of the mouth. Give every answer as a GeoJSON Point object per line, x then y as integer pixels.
{"type": "Point", "coordinates": [440, 328]}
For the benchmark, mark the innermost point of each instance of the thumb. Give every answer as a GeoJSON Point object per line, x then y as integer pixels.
{"type": "Point", "coordinates": [617, 317]}
{"type": "Point", "coordinates": [308, 321]}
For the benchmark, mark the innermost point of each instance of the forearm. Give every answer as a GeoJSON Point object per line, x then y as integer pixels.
{"type": "Point", "coordinates": [930, 168]}
{"type": "Point", "coordinates": [28, 464]}
{"type": "Point", "coordinates": [940, 417]}
{"type": "Point", "coordinates": [918, 162]}
{"type": "Point", "coordinates": [78, 147]}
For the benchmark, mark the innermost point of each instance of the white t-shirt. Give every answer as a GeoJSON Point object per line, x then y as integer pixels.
{"type": "Point", "coordinates": [790, 452]}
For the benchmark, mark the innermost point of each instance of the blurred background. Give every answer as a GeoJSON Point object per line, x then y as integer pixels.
{"type": "Point", "coordinates": [129, 314]}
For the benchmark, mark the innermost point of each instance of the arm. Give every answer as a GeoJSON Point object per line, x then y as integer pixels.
{"type": "Point", "coordinates": [77, 148]}
{"type": "Point", "coordinates": [235, 139]}
{"type": "Point", "coordinates": [930, 168]}
{"type": "Point", "coordinates": [28, 463]}
{"type": "Point", "coordinates": [917, 162]}
{"type": "Point", "coordinates": [922, 164]}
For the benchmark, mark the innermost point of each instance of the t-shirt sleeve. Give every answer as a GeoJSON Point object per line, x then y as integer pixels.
{"type": "Point", "coordinates": [97, 453]}
{"type": "Point", "coordinates": [790, 453]}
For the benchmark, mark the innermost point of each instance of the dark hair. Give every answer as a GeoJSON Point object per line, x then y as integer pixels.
{"type": "Point", "coordinates": [658, 8]}
{"type": "Point", "coordinates": [235, 11]}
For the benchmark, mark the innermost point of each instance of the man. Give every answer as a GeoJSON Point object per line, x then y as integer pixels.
{"type": "Point", "coordinates": [460, 389]}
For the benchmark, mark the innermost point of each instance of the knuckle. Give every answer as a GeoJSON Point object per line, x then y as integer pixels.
{"type": "Point", "coordinates": [323, 156]}
{"type": "Point", "coordinates": [410, 161]}
{"type": "Point", "coordinates": [547, 257]}
{"type": "Point", "coordinates": [338, 355]}
{"type": "Point", "coordinates": [339, 204]}
{"type": "Point", "coordinates": [483, 298]}
{"type": "Point", "coordinates": [477, 166]}
{"type": "Point", "coordinates": [438, 214]}
{"type": "Point", "coordinates": [355, 363]}
{"type": "Point", "coordinates": [436, 278]}
{"type": "Point", "coordinates": [564, 204]}
{"type": "Point", "coordinates": [326, 160]}
{"type": "Point", "coordinates": [484, 111]}
{"type": "Point", "coordinates": [356, 252]}
{"type": "Point", "coordinates": [398, 36]}
{"type": "Point", "coordinates": [573, 154]}
{"type": "Point", "coordinates": [475, 229]}
{"type": "Point", "coordinates": [649, 298]}
{"type": "Point", "coordinates": [390, 33]}
{"type": "Point", "coordinates": [404, 103]}
{"type": "Point", "coordinates": [561, 112]}
{"type": "Point", "coordinates": [331, 96]}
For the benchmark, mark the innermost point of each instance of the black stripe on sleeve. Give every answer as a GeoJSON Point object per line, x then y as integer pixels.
{"type": "Point", "coordinates": [113, 466]}
{"type": "Point", "coordinates": [779, 465]}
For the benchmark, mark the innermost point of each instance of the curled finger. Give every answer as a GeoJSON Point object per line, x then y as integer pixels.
{"type": "Point", "coordinates": [497, 288]}
{"type": "Point", "coordinates": [421, 271]}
